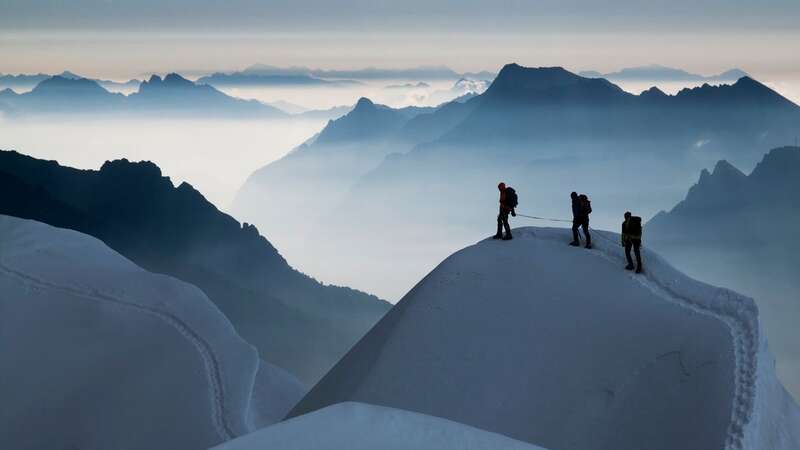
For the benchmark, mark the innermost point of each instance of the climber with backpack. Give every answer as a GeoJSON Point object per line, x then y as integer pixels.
{"type": "Point", "coordinates": [581, 208]}
{"type": "Point", "coordinates": [508, 202]}
{"type": "Point", "coordinates": [632, 237]}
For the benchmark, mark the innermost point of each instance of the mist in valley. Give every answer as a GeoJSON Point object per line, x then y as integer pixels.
{"type": "Point", "coordinates": [379, 214]}
{"type": "Point", "coordinates": [214, 156]}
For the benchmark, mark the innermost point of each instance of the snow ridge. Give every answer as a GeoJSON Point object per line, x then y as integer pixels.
{"type": "Point", "coordinates": [212, 366]}
{"type": "Point", "coordinates": [738, 312]}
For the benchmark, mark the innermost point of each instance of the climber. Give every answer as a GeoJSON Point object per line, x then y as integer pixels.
{"type": "Point", "coordinates": [508, 201]}
{"type": "Point", "coordinates": [581, 208]}
{"type": "Point", "coordinates": [632, 237]}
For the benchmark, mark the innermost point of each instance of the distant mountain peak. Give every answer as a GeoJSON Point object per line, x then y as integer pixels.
{"type": "Point", "coordinates": [723, 174]}
{"type": "Point", "coordinates": [778, 163]}
{"type": "Point", "coordinates": [653, 92]}
{"type": "Point", "coordinates": [59, 83]}
{"type": "Point", "coordinates": [364, 103]}
{"type": "Point", "coordinates": [725, 169]}
{"type": "Point", "coordinates": [746, 81]}
{"type": "Point", "coordinates": [175, 79]}
{"type": "Point", "coordinates": [70, 75]}
{"type": "Point", "coordinates": [733, 74]}
{"type": "Point", "coordinates": [141, 169]}
{"type": "Point", "coordinates": [532, 84]}
{"type": "Point", "coordinates": [171, 79]}
{"type": "Point", "coordinates": [658, 72]}
{"type": "Point", "coordinates": [514, 77]}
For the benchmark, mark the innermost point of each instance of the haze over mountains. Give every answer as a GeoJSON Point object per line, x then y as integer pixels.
{"type": "Point", "coordinates": [546, 131]}
{"type": "Point", "coordinates": [172, 95]}
{"type": "Point", "coordinates": [26, 82]}
{"type": "Point", "coordinates": [738, 230]}
{"type": "Point", "coordinates": [294, 321]}
{"type": "Point", "coordinates": [657, 73]}
{"type": "Point", "coordinates": [369, 73]}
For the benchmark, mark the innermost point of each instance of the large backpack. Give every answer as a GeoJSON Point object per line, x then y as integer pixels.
{"type": "Point", "coordinates": [586, 205]}
{"type": "Point", "coordinates": [635, 226]}
{"type": "Point", "coordinates": [511, 198]}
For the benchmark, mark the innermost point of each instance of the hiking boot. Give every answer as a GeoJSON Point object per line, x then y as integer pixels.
{"type": "Point", "coordinates": [629, 267]}
{"type": "Point", "coordinates": [497, 236]}
{"type": "Point", "coordinates": [639, 269]}
{"type": "Point", "coordinates": [575, 244]}
{"type": "Point", "coordinates": [588, 245]}
{"type": "Point", "coordinates": [508, 237]}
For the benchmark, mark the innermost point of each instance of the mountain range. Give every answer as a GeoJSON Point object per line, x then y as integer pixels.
{"type": "Point", "coordinates": [738, 230]}
{"type": "Point", "coordinates": [254, 76]}
{"type": "Point", "coordinates": [171, 95]}
{"type": "Point", "coordinates": [295, 322]}
{"type": "Point", "coordinates": [656, 73]}
{"type": "Point", "coordinates": [536, 128]}
{"type": "Point", "coordinates": [24, 82]}
{"type": "Point", "coordinates": [370, 73]}
{"type": "Point", "coordinates": [727, 206]}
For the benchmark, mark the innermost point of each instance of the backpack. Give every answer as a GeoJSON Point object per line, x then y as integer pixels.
{"type": "Point", "coordinates": [586, 205]}
{"type": "Point", "coordinates": [511, 198]}
{"type": "Point", "coordinates": [635, 226]}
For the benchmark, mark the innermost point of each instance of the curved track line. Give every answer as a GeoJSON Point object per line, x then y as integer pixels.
{"type": "Point", "coordinates": [210, 363]}
{"type": "Point", "coordinates": [743, 327]}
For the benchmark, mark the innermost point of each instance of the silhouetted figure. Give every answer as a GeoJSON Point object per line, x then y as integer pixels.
{"type": "Point", "coordinates": [581, 208]}
{"type": "Point", "coordinates": [632, 238]}
{"type": "Point", "coordinates": [508, 201]}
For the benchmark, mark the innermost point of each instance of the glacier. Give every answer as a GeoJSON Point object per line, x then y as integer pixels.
{"type": "Point", "coordinates": [562, 348]}
{"type": "Point", "coordinates": [97, 353]}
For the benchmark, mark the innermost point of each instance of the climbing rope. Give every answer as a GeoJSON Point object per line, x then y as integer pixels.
{"type": "Point", "coordinates": [550, 219]}
{"type": "Point", "coordinates": [544, 218]}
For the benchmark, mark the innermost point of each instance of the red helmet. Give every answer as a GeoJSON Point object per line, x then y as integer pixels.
{"type": "Point", "coordinates": [501, 186]}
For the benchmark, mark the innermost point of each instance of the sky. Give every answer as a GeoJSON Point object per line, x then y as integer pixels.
{"type": "Point", "coordinates": [120, 39]}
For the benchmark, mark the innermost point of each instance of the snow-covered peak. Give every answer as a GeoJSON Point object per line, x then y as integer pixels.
{"type": "Point", "coordinates": [104, 354]}
{"type": "Point", "coordinates": [562, 348]}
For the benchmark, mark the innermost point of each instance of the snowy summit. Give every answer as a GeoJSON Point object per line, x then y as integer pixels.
{"type": "Point", "coordinates": [561, 348]}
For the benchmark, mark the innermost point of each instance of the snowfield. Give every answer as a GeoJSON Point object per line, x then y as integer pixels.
{"type": "Point", "coordinates": [358, 426]}
{"type": "Point", "coordinates": [560, 347]}
{"type": "Point", "coordinates": [97, 353]}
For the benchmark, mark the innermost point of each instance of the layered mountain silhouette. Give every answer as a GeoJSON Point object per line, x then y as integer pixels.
{"type": "Point", "coordinates": [738, 230]}
{"type": "Point", "coordinates": [294, 321]}
{"type": "Point", "coordinates": [172, 95]}
{"type": "Point", "coordinates": [537, 128]}
{"type": "Point", "coordinates": [265, 76]}
{"type": "Point", "coordinates": [552, 103]}
{"type": "Point", "coordinates": [727, 206]}
{"type": "Point", "coordinates": [321, 171]}
{"type": "Point", "coordinates": [24, 82]}
{"type": "Point", "coordinates": [656, 72]}
{"type": "Point", "coordinates": [305, 75]}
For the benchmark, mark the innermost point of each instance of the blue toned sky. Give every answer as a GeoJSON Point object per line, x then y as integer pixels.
{"type": "Point", "coordinates": [120, 38]}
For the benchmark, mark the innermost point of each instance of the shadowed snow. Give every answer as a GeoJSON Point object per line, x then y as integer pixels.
{"type": "Point", "coordinates": [96, 352]}
{"type": "Point", "coordinates": [562, 348]}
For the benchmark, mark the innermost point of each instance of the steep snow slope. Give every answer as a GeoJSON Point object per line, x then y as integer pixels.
{"type": "Point", "coordinates": [97, 353]}
{"type": "Point", "coordinates": [562, 348]}
{"type": "Point", "coordinates": [293, 320]}
{"type": "Point", "coordinates": [358, 426]}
